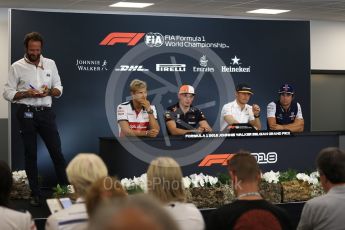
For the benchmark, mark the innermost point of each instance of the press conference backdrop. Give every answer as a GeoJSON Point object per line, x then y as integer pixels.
{"type": "Point", "coordinates": [99, 54]}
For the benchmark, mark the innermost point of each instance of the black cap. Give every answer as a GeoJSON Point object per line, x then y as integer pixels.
{"type": "Point", "coordinates": [244, 88]}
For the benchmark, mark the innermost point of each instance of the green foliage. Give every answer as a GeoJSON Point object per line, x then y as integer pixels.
{"type": "Point", "coordinates": [288, 175]}
{"type": "Point", "coordinates": [60, 191]}
{"type": "Point", "coordinates": [223, 178]}
{"type": "Point", "coordinates": [134, 190]}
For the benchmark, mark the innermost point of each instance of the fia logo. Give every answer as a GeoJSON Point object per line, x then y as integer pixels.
{"type": "Point", "coordinates": [154, 39]}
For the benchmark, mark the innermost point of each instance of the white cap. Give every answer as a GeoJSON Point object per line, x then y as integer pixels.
{"type": "Point", "coordinates": [186, 89]}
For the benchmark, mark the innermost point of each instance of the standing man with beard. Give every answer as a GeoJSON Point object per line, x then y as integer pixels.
{"type": "Point", "coordinates": [32, 83]}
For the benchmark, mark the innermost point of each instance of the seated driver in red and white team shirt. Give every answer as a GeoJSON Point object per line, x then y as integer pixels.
{"type": "Point", "coordinates": [137, 117]}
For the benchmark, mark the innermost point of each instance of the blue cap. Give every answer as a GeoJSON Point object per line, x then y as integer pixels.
{"type": "Point", "coordinates": [286, 88]}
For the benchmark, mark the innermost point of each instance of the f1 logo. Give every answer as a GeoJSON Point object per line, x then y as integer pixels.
{"type": "Point", "coordinates": [130, 38]}
{"type": "Point", "coordinates": [222, 159]}
{"type": "Point", "coordinates": [215, 159]}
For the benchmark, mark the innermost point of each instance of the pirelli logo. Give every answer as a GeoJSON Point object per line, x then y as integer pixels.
{"type": "Point", "coordinates": [131, 39]}
{"type": "Point", "coordinates": [222, 159]}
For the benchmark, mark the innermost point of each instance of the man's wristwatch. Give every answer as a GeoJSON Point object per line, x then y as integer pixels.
{"type": "Point", "coordinates": [149, 111]}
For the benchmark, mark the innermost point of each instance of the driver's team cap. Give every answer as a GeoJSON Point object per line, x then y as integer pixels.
{"type": "Point", "coordinates": [244, 88]}
{"type": "Point", "coordinates": [186, 89]}
{"type": "Point", "coordinates": [286, 88]}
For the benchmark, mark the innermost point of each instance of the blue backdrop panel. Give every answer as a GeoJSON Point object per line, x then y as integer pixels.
{"type": "Point", "coordinates": [269, 52]}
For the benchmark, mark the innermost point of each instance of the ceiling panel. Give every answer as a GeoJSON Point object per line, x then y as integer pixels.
{"type": "Point", "coordinates": [300, 9]}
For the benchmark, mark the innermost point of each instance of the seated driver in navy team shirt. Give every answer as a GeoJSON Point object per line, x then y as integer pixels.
{"type": "Point", "coordinates": [285, 113]}
{"type": "Point", "coordinates": [183, 117]}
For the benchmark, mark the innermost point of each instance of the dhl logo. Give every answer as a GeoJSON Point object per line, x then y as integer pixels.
{"type": "Point", "coordinates": [130, 39]}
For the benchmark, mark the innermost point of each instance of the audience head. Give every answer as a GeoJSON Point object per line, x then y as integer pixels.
{"type": "Point", "coordinates": [83, 170]}
{"type": "Point", "coordinates": [6, 182]}
{"type": "Point", "coordinates": [243, 168]}
{"type": "Point", "coordinates": [164, 180]}
{"type": "Point", "coordinates": [135, 212]}
{"type": "Point", "coordinates": [103, 190]}
{"type": "Point", "coordinates": [331, 166]}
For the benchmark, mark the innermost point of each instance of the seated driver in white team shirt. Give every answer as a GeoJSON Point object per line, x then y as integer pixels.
{"type": "Point", "coordinates": [238, 111]}
{"type": "Point", "coordinates": [137, 117]}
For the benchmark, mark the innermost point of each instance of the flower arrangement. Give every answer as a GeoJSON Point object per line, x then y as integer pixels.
{"type": "Point", "coordinates": [208, 191]}
{"type": "Point", "coordinates": [271, 177]}
{"type": "Point", "coordinates": [20, 176]}
{"type": "Point", "coordinates": [312, 179]}
{"type": "Point", "coordinates": [20, 188]}
{"type": "Point", "coordinates": [193, 181]}
{"type": "Point", "coordinates": [135, 185]}
{"type": "Point", "coordinates": [294, 186]}
{"type": "Point", "coordinates": [275, 177]}
{"type": "Point", "coordinates": [199, 180]}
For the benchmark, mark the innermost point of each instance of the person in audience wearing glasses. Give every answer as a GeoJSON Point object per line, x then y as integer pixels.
{"type": "Point", "coordinates": [327, 211]}
{"type": "Point", "coordinates": [183, 117]}
{"type": "Point", "coordinates": [33, 82]}
{"type": "Point", "coordinates": [238, 111]}
{"type": "Point", "coordinates": [285, 113]}
{"type": "Point", "coordinates": [249, 210]}
{"type": "Point", "coordinates": [137, 117]}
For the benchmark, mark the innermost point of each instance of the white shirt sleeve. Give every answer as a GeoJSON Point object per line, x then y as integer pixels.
{"type": "Point", "coordinates": [250, 112]}
{"type": "Point", "coordinates": [299, 112]}
{"type": "Point", "coordinates": [121, 113]}
{"type": "Point", "coordinates": [56, 81]}
{"type": "Point", "coordinates": [154, 111]}
{"type": "Point", "coordinates": [271, 109]}
{"type": "Point", "coordinates": [226, 110]}
{"type": "Point", "coordinates": [10, 88]}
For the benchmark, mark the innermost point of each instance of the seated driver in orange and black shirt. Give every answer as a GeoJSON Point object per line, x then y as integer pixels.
{"type": "Point", "coordinates": [182, 117]}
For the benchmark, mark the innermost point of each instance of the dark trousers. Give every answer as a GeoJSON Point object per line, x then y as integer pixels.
{"type": "Point", "coordinates": [43, 123]}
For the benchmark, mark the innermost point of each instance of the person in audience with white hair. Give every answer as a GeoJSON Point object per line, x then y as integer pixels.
{"type": "Point", "coordinates": [82, 171]}
{"type": "Point", "coordinates": [11, 219]}
{"type": "Point", "coordinates": [164, 181]}
{"type": "Point", "coordinates": [136, 212]}
{"type": "Point", "coordinates": [327, 211]}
